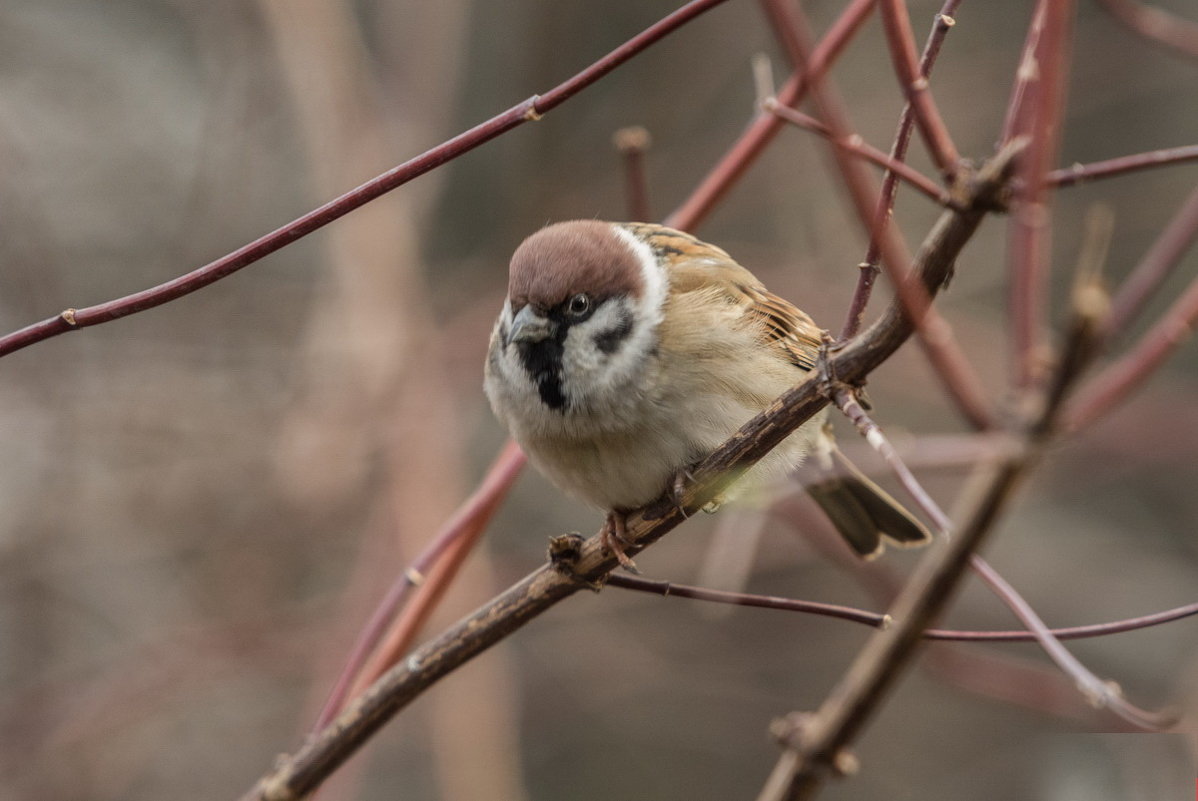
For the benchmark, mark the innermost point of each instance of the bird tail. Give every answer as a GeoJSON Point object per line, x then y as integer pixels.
{"type": "Point", "coordinates": [864, 513]}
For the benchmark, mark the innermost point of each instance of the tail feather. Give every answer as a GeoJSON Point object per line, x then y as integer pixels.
{"type": "Point", "coordinates": [864, 513]}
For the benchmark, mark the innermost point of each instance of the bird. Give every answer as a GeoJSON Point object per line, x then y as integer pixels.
{"type": "Point", "coordinates": [626, 352]}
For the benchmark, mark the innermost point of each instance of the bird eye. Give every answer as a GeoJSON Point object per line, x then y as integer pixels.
{"type": "Point", "coordinates": [579, 305]}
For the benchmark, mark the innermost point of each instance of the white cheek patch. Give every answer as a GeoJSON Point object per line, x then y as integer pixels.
{"type": "Point", "coordinates": [656, 284]}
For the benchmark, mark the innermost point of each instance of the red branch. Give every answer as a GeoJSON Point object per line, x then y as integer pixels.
{"type": "Point", "coordinates": [530, 109]}
{"type": "Point", "coordinates": [889, 192]}
{"type": "Point", "coordinates": [901, 40]}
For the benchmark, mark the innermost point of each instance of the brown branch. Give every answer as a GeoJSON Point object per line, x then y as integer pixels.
{"type": "Point", "coordinates": [884, 209]}
{"type": "Point", "coordinates": [1156, 25]}
{"type": "Point", "coordinates": [578, 565]}
{"type": "Point", "coordinates": [901, 40]}
{"type": "Point", "coordinates": [531, 109]}
{"type": "Point", "coordinates": [669, 589]}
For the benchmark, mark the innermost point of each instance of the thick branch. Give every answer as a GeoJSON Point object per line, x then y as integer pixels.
{"type": "Point", "coordinates": [582, 565]}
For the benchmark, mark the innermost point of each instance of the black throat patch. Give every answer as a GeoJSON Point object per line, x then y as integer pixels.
{"type": "Point", "coordinates": [543, 361]}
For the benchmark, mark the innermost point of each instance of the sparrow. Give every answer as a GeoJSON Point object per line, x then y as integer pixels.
{"type": "Point", "coordinates": [627, 352]}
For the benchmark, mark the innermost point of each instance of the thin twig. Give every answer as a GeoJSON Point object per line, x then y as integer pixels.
{"type": "Point", "coordinates": [531, 109]}
{"type": "Point", "coordinates": [1081, 173]}
{"type": "Point", "coordinates": [855, 145]}
{"type": "Point", "coordinates": [581, 565]}
{"type": "Point", "coordinates": [879, 620]}
{"type": "Point", "coordinates": [899, 36]}
{"type": "Point", "coordinates": [884, 209]}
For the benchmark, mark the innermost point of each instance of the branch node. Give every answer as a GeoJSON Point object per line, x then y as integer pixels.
{"type": "Point", "coordinates": [886, 622]}
{"type": "Point", "coordinates": [414, 576]}
{"type": "Point", "coordinates": [564, 552]}
{"type": "Point", "coordinates": [531, 114]}
{"type": "Point", "coordinates": [69, 316]}
{"type": "Point", "coordinates": [946, 20]}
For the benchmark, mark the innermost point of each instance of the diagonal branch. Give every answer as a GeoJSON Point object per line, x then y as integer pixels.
{"type": "Point", "coordinates": [581, 565]}
{"type": "Point", "coordinates": [531, 109]}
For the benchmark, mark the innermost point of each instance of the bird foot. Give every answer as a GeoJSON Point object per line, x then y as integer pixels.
{"type": "Point", "coordinates": [615, 538]}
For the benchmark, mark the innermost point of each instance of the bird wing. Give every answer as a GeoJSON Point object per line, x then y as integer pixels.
{"type": "Point", "coordinates": [694, 265]}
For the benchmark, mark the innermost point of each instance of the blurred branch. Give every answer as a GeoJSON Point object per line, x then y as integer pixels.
{"type": "Point", "coordinates": [632, 143]}
{"type": "Point", "coordinates": [1156, 25]}
{"type": "Point", "coordinates": [531, 109]}
{"type": "Point", "coordinates": [466, 525]}
{"type": "Point", "coordinates": [1122, 378]}
{"type": "Point", "coordinates": [879, 620]}
{"type": "Point", "coordinates": [884, 209]}
{"type": "Point", "coordinates": [1037, 111]}
{"type": "Point", "coordinates": [579, 565]}
{"type": "Point", "coordinates": [1158, 263]}
{"type": "Point", "coordinates": [720, 179]}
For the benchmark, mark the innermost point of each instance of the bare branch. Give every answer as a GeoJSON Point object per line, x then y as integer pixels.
{"type": "Point", "coordinates": [467, 524]}
{"type": "Point", "coordinates": [531, 109]}
{"type": "Point", "coordinates": [884, 209]}
{"type": "Point", "coordinates": [855, 145]}
{"type": "Point", "coordinates": [1082, 173]}
{"type": "Point", "coordinates": [1155, 267]}
{"type": "Point", "coordinates": [901, 40]}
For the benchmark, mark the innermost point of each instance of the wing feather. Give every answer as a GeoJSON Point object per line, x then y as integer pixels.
{"type": "Point", "coordinates": [694, 266]}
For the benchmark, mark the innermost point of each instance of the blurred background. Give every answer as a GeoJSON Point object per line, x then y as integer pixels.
{"type": "Point", "coordinates": [202, 503]}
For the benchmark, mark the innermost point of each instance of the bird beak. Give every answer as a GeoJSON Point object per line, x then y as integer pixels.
{"type": "Point", "coordinates": [528, 326]}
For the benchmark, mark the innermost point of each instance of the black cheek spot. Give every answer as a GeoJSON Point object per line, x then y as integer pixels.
{"type": "Point", "coordinates": [608, 341]}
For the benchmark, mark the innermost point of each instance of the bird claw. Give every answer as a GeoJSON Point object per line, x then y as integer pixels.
{"type": "Point", "coordinates": [615, 539]}
{"type": "Point", "coordinates": [678, 490]}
